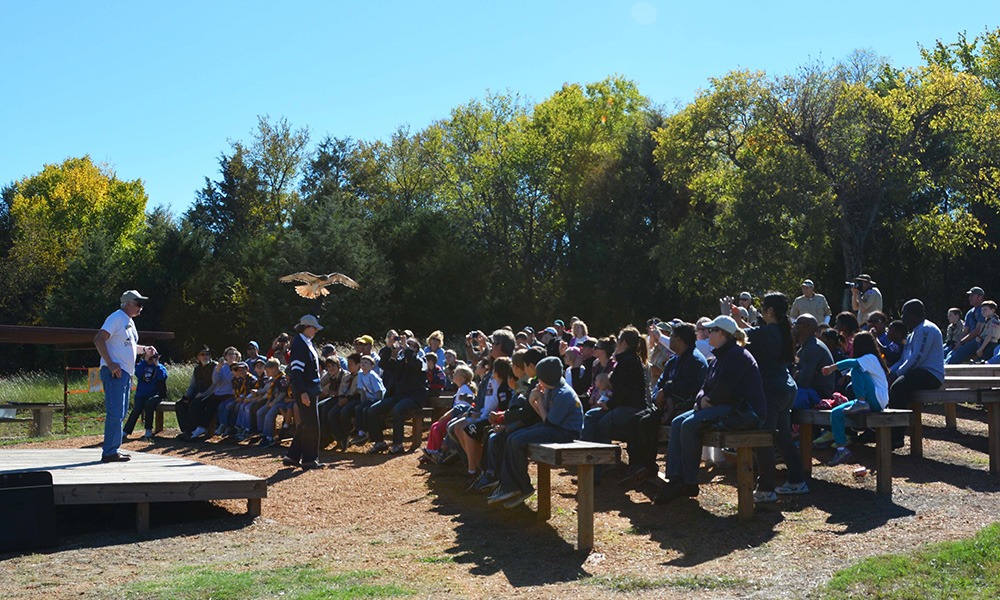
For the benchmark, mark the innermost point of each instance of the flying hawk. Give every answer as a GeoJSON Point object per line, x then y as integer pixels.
{"type": "Point", "coordinates": [315, 285]}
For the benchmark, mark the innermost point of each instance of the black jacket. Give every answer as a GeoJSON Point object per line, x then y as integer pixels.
{"type": "Point", "coordinates": [303, 366]}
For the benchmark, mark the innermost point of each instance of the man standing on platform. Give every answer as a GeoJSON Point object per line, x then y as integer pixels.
{"type": "Point", "coordinates": [304, 369]}
{"type": "Point", "coordinates": [118, 344]}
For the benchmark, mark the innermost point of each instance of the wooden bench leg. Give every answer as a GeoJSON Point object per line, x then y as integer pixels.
{"type": "Point", "coordinates": [916, 431]}
{"type": "Point", "coordinates": [253, 507]}
{"type": "Point", "coordinates": [806, 447]}
{"type": "Point", "coordinates": [744, 483]}
{"type": "Point", "coordinates": [993, 421]}
{"type": "Point", "coordinates": [544, 492]}
{"type": "Point", "coordinates": [883, 461]}
{"type": "Point", "coordinates": [950, 416]}
{"type": "Point", "coordinates": [418, 429]}
{"type": "Point", "coordinates": [157, 421]}
{"type": "Point", "coordinates": [142, 517]}
{"type": "Point", "coordinates": [585, 507]}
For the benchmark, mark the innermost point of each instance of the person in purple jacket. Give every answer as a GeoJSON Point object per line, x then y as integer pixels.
{"type": "Point", "coordinates": [733, 388]}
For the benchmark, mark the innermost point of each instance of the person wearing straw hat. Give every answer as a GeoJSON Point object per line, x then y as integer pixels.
{"type": "Point", "coordinates": [865, 297]}
{"type": "Point", "coordinates": [118, 344]}
{"type": "Point", "coordinates": [304, 372]}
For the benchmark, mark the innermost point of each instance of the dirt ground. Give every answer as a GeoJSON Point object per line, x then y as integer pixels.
{"type": "Point", "coordinates": [417, 528]}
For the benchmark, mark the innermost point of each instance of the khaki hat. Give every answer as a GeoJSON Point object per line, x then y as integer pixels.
{"type": "Point", "coordinates": [310, 321]}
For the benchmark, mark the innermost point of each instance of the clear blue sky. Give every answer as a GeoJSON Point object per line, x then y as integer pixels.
{"type": "Point", "coordinates": [157, 90]}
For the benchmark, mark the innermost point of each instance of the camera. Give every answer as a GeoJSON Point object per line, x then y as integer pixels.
{"type": "Point", "coordinates": [852, 284]}
{"type": "Point", "coordinates": [473, 335]}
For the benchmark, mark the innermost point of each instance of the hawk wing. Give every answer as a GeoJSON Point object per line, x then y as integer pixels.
{"type": "Point", "coordinates": [342, 280]}
{"type": "Point", "coordinates": [301, 276]}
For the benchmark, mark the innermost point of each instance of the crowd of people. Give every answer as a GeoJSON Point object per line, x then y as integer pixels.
{"type": "Point", "coordinates": [746, 368]}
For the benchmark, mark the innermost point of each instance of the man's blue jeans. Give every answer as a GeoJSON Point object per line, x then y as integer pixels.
{"type": "Point", "coordinates": [684, 451]}
{"type": "Point", "coordinates": [602, 425]}
{"type": "Point", "coordinates": [514, 470]}
{"type": "Point", "coordinates": [116, 393]}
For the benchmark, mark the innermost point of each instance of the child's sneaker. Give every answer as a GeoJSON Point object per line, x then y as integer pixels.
{"type": "Point", "coordinates": [841, 456]}
{"type": "Point", "coordinates": [859, 407]}
{"type": "Point", "coordinates": [824, 440]}
{"type": "Point", "coordinates": [764, 497]}
{"type": "Point", "coordinates": [379, 447]}
{"type": "Point", "coordinates": [792, 488]}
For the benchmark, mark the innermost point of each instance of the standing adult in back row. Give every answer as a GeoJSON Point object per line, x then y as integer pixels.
{"type": "Point", "coordinates": [118, 344]}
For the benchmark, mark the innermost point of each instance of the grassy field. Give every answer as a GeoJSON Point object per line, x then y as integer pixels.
{"type": "Point", "coordinates": [86, 410]}
{"type": "Point", "coordinates": [968, 568]}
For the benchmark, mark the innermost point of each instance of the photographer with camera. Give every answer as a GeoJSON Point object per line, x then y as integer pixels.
{"type": "Point", "coordinates": [865, 296]}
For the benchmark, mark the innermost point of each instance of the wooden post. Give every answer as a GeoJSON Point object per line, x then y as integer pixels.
{"type": "Point", "coordinates": [993, 421]}
{"type": "Point", "coordinates": [142, 517]}
{"type": "Point", "coordinates": [806, 447]}
{"type": "Point", "coordinates": [544, 492]}
{"type": "Point", "coordinates": [65, 392]}
{"type": "Point", "coordinates": [418, 428]}
{"type": "Point", "coordinates": [585, 507]}
{"type": "Point", "coordinates": [950, 416]}
{"type": "Point", "coordinates": [253, 507]}
{"type": "Point", "coordinates": [883, 460]}
{"type": "Point", "coordinates": [744, 483]}
{"type": "Point", "coordinates": [916, 431]}
{"type": "Point", "coordinates": [157, 420]}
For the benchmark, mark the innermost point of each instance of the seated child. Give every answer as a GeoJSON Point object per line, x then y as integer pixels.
{"type": "Point", "coordinates": [463, 402]}
{"type": "Point", "coordinates": [361, 381]}
{"type": "Point", "coordinates": [603, 383]}
{"type": "Point", "coordinates": [871, 388]}
{"type": "Point", "coordinates": [150, 390]}
{"type": "Point", "coordinates": [247, 412]}
{"type": "Point", "coordinates": [277, 393]}
{"type": "Point", "coordinates": [991, 330]}
{"type": "Point", "coordinates": [954, 332]}
{"type": "Point", "coordinates": [472, 435]}
{"type": "Point", "coordinates": [226, 415]}
{"type": "Point", "coordinates": [436, 379]}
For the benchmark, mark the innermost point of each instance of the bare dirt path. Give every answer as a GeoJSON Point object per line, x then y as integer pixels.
{"type": "Point", "coordinates": [417, 528]}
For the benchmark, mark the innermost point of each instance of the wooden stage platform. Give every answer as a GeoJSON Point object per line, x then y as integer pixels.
{"type": "Point", "coordinates": [79, 477]}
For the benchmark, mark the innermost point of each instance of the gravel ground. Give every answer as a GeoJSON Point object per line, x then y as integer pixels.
{"type": "Point", "coordinates": [417, 528]}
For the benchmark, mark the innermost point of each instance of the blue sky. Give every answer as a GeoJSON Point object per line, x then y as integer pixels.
{"type": "Point", "coordinates": [157, 90]}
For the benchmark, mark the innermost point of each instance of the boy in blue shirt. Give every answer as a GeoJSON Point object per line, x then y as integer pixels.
{"type": "Point", "coordinates": [150, 390]}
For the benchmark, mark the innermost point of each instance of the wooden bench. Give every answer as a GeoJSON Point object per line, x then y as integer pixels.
{"type": "Point", "coordinates": [437, 405]}
{"type": "Point", "coordinates": [744, 443]}
{"type": "Point", "coordinates": [950, 397]}
{"type": "Point", "coordinates": [583, 456]}
{"type": "Point", "coordinates": [881, 422]}
{"type": "Point", "coordinates": [41, 416]}
{"type": "Point", "coordinates": [162, 407]}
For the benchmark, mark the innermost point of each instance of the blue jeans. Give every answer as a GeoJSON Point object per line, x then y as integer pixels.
{"type": "Point", "coordinates": [400, 410]}
{"type": "Point", "coordinates": [779, 421]}
{"type": "Point", "coordinates": [601, 425]}
{"type": "Point", "coordinates": [115, 404]}
{"type": "Point", "coordinates": [514, 470]}
{"type": "Point", "coordinates": [142, 407]}
{"type": "Point", "coordinates": [962, 354]}
{"type": "Point", "coordinates": [684, 451]}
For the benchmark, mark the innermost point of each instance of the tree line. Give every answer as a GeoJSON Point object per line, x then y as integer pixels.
{"type": "Point", "coordinates": [594, 202]}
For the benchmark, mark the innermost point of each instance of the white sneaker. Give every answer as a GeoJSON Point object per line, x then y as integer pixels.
{"type": "Point", "coordinates": [792, 488]}
{"type": "Point", "coordinates": [764, 497]}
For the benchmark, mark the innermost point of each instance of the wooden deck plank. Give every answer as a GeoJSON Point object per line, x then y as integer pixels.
{"type": "Point", "coordinates": [78, 477]}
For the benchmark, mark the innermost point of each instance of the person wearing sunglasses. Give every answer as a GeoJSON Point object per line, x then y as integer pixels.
{"type": "Point", "coordinates": [118, 344]}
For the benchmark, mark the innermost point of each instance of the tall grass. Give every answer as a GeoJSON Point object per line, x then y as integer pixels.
{"type": "Point", "coordinates": [86, 410]}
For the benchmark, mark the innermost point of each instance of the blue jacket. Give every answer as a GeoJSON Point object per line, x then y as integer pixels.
{"type": "Point", "coordinates": [734, 378]}
{"type": "Point", "coordinates": [151, 380]}
{"type": "Point", "coordinates": [564, 409]}
{"type": "Point", "coordinates": [924, 349]}
{"type": "Point", "coordinates": [683, 375]}
{"type": "Point", "coordinates": [303, 366]}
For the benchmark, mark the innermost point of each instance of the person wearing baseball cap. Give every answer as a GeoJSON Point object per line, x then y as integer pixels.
{"type": "Point", "coordinates": [974, 322]}
{"type": "Point", "coordinates": [811, 303]}
{"type": "Point", "coordinates": [562, 420]}
{"type": "Point", "coordinates": [118, 344]}
{"type": "Point", "coordinates": [733, 390]}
